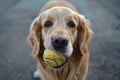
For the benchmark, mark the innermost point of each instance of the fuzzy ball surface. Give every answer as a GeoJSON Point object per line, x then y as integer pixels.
{"type": "Point", "coordinates": [54, 59]}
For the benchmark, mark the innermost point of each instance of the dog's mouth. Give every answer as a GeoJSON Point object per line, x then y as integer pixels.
{"type": "Point", "coordinates": [54, 59]}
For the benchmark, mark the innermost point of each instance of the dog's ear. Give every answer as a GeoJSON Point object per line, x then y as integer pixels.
{"type": "Point", "coordinates": [84, 33]}
{"type": "Point", "coordinates": [35, 36]}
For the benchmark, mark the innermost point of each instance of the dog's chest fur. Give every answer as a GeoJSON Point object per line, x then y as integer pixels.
{"type": "Point", "coordinates": [72, 70]}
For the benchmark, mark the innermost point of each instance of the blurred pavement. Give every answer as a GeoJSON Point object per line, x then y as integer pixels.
{"type": "Point", "coordinates": [16, 16]}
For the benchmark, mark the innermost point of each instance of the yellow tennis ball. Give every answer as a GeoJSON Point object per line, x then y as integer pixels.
{"type": "Point", "coordinates": [54, 59]}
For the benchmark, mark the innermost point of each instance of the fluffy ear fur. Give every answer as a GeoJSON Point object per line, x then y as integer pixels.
{"type": "Point", "coordinates": [84, 33]}
{"type": "Point", "coordinates": [35, 36]}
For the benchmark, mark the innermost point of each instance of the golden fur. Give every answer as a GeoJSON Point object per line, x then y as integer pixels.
{"type": "Point", "coordinates": [60, 11]}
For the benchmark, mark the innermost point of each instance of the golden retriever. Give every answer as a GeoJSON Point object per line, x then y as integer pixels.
{"type": "Point", "coordinates": [61, 28]}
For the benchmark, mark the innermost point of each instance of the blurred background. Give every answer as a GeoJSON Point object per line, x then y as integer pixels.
{"type": "Point", "coordinates": [16, 16]}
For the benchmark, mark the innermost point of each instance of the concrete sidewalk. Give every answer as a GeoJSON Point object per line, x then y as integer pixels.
{"type": "Point", "coordinates": [16, 62]}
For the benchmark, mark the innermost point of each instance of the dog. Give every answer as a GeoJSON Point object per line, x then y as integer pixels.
{"type": "Point", "coordinates": [61, 28]}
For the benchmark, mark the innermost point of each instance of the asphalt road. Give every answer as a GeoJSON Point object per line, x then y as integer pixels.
{"type": "Point", "coordinates": [16, 62]}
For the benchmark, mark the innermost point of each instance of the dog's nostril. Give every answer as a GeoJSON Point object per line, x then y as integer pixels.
{"type": "Point", "coordinates": [55, 41]}
{"type": "Point", "coordinates": [64, 42]}
{"type": "Point", "coordinates": [59, 42]}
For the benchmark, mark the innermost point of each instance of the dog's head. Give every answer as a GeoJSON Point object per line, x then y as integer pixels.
{"type": "Point", "coordinates": [60, 29]}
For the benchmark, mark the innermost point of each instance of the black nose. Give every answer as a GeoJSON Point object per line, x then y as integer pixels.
{"type": "Point", "coordinates": [59, 42]}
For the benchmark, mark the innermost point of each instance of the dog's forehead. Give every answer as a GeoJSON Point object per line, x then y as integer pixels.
{"type": "Point", "coordinates": [58, 11]}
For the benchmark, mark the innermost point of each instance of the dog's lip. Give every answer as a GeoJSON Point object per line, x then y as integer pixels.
{"type": "Point", "coordinates": [61, 51]}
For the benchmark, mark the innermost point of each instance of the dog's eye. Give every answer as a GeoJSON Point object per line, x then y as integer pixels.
{"type": "Point", "coordinates": [71, 24]}
{"type": "Point", "coordinates": [48, 24]}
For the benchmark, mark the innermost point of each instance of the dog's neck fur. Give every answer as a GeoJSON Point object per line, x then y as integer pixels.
{"type": "Point", "coordinates": [68, 71]}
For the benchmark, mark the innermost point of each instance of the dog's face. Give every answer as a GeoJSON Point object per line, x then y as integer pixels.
{"type": "Point", "coordinates": [59, 28]}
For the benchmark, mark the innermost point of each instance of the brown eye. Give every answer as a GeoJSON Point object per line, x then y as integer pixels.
{"type": "Point", "coordinates": [48, 24]}
{"type": "Point", "coordinates": [71, 24]}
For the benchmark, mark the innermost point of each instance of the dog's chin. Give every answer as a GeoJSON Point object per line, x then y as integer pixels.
{"type": "Point", "coordinates": [60, 67]}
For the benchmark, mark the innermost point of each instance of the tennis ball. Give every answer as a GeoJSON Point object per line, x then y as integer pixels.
{"type": "Point", "coordinates": [54, 59]}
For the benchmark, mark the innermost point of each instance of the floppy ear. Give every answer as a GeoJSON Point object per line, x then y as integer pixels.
{"type": "Point", "coordinates": [35, 36]}
{"type": "Point", "coordinates": [84, 34]}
